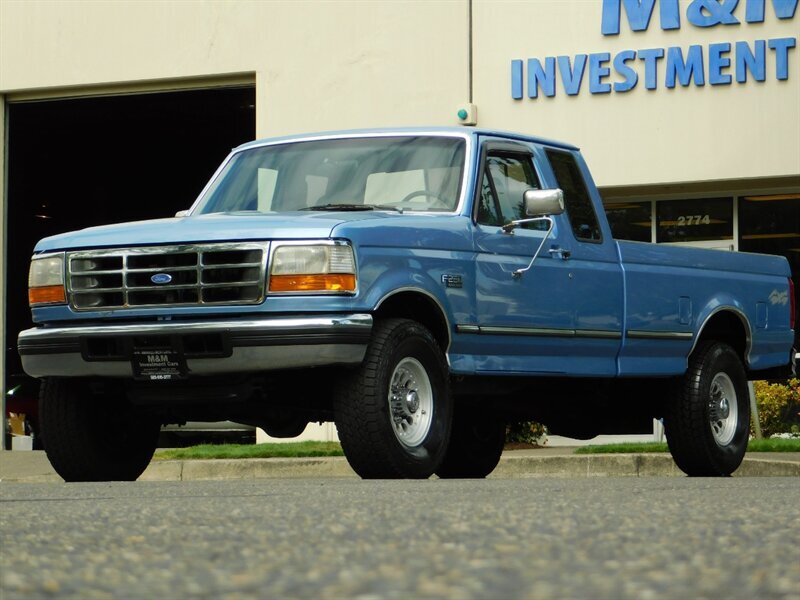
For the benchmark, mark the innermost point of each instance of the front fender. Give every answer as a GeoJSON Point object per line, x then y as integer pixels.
{"type": "Point", "coordinates": [445, 277]}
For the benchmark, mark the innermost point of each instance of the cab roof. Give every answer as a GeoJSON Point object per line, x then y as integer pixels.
{"type": "Point", "coordinates": [462, 131]}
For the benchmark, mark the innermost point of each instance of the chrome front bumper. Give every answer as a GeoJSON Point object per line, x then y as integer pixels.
{"type": "Point", "coordinates": [210, 347]}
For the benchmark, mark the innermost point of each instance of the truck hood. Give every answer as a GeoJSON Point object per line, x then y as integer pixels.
{"type": "Point", "coordinates": [208, 228]}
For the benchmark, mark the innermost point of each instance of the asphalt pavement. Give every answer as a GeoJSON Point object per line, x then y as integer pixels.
{"type": "Point", "coordinates": [559, 461]}
{"type": "Point", "coordinates": [609, 537]}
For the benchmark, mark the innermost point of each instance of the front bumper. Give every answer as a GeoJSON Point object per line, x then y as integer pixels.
{"type": "Point", "coordinates": [209, 347]}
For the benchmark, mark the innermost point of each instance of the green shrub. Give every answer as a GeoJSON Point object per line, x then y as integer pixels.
{"type": "Point", "coordinates": [778, 407]}
{"type": "Point", "coordinates": [526, 432]}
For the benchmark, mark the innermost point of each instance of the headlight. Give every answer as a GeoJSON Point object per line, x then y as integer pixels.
{"type": "Point", "coordinates": [313, 268]}
{"type": "Point", "coordinates": [46, 280]}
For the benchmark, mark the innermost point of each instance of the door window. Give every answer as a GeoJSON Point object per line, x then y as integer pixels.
{"type": "Point", "coordinates": [505, 179]}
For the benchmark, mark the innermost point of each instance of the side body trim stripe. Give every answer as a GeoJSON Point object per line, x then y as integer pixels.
{"type": "Point", "coordinates": [539, 332]}
{"type": "Point", "coordinates": [639, 334]}
{"type": "Point", "coordinates": [636, 334]}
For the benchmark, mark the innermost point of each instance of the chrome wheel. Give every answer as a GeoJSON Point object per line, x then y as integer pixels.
{"type": "Point", "coordinates": [708, 420]}
{"type": "Point", "coordinates": [410, 402]}
{"type": "Point", "coordinates": [385, 414]}
{"type": "Point", "coordinates": [723, 409]}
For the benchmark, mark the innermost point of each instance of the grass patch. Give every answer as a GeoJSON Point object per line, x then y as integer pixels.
{"type": "Point", "coordinates": [772, 445]}
{"type": "Point", "coordinates": [216, 451]}
{"type": "Point", "coordinates": [631, 448]}
{"type": "Point", "coordinates": [311, 449]}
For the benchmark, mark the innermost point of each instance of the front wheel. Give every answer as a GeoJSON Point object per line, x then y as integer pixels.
{"type": "Point", "coordinates": [393, 414]}
{"type": "Point", "coordinates": [708, 422]}
{"type": "Point", "coordinates": [93, 437]}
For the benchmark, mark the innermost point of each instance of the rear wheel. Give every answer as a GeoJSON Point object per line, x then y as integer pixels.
{"type": "Point", "coordinates": [476, 444]}
{"type": "Point", "coordinates": [89, 437]}
{"type": "Point", "coordinates": [393, 414]}
{"type": "Point", "coordinates": [708, 422]}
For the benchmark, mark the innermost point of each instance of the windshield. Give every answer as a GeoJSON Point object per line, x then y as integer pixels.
{"type": "Point", "coordinates": [420, 173]}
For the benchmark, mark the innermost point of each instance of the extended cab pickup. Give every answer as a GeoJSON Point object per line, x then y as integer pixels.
{"type": "Point", "coordinates": [420, 288]}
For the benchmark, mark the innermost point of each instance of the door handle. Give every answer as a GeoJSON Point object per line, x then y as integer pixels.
{"type": "Point", "coordinates": [558, 252]}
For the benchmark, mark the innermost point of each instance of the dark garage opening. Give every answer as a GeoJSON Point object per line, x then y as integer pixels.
{"type": "Point", "coordinates": [93, 161]}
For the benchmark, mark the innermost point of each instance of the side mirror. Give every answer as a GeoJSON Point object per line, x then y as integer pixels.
{"type": "Point", "coordinates": [540, 203]}
{"type": "Point", "coordinates": [182, 213]}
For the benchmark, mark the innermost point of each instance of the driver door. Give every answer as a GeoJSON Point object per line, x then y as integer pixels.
{"type": "Point", "coordinates": [526, 323]}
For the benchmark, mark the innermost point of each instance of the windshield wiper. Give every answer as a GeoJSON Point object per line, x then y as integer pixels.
{"type": "Point", "coordinates": [340, 207]}
{"type": "Point", "coordinates": [352, 207]}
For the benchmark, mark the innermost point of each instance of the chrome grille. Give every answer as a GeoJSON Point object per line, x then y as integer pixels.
{"type": "Point", "coordinates": [190, 275]}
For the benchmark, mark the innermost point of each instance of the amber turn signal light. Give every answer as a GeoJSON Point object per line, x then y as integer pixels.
{"type": "Point", "coordinates": [338, 282]}
{"type": "Point", "coordinates": [50, 294]}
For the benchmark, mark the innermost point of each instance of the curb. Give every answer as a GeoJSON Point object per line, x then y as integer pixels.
{"type": "Point", "coordinates": [250, 468]}
{"type": "Point", "coordinates": [513, 467]}
{"type": "Point", "coordinates": [510, 467]}
{"type": "Point", "coordinates": [626, 465]}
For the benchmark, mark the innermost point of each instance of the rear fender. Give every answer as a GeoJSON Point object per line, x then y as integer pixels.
{"type": "Point", "coordinates": [709, 317]}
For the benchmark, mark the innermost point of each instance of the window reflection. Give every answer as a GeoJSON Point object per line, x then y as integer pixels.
{"type": "Point", "coordinates": [694, 220]}
{"type": "Point", "coordinates": [771, 225]}
{"type": "Point", "coordinates": [505, 179]}
{"type": "Point", "coordinates": [631, 221]}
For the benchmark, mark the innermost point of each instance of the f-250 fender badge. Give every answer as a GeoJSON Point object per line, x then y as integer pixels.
{"type": "Point", "coordinates": [452, 281]}
{"type": "Point", "coordinates": [777, 297]}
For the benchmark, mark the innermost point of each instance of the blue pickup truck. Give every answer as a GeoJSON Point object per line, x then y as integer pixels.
{"type": "Point", "coordinates": [420, 288]}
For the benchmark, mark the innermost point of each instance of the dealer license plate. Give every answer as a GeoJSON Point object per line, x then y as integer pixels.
{"type": "Point", "coordinates": [158, 364]}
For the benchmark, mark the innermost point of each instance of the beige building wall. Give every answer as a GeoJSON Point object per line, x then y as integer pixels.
{"type": "Point", "coordinates": [317, 65]}
{"type": "Point", "coordinates": [332, 65]}
{"type": "Point", "coordinates": [314, 432]}
{"type": "Point", "coordinates": [642, 137]}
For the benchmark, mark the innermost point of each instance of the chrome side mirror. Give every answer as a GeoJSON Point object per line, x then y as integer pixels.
{"type": "Point", "coordinates": [182, 213]}
{"type": "Point", "coordinates": [540, 203]}
{"type": "Point", "coordinates": [540, 206]}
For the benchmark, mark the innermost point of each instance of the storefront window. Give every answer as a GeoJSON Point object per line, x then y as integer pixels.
{"type": "Point", "coordinates": [767, 224]}
{"type": "Point", "coordinates": [771, 225]}
{"type": "Point", "coordinates": [630, 221]}
{"type": "Point", "coordinates": [694, 220]}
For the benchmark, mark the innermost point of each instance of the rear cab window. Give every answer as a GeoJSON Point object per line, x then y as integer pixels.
{"type": "Point", "coordinates": [580, 209]}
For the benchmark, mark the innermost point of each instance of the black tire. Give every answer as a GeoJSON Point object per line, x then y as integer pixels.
{"type": "Point", "coordinates": [374, 407]}
{"type": "Point", "coordinates": [476, 444]}
{"type": "Point", "coordinates": [707, 423]}
{"type": "Point", "coordinates": [93, 438]}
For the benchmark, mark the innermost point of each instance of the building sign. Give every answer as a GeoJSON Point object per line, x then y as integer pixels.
{"type": "Point", "coordinates": [716, 64]}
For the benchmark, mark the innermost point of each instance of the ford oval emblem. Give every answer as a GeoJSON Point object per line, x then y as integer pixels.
{"type": "Point", "coordinates": [161, 278]}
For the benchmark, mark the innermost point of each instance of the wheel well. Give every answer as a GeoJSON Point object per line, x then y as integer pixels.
{"type": "Point", "coordinates": [420, 308]}
{"type": "Point", "coordinates": [726, 326]}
